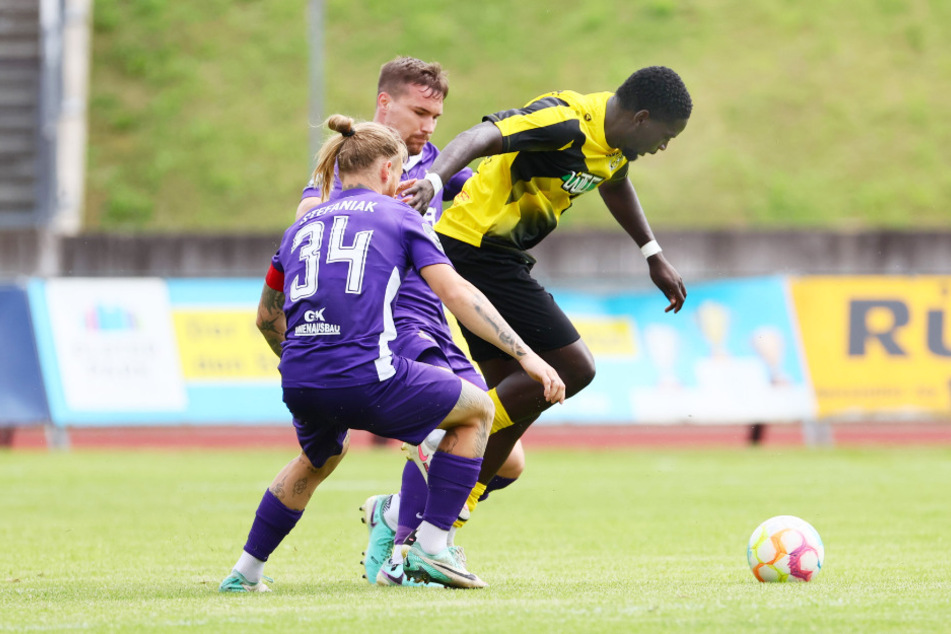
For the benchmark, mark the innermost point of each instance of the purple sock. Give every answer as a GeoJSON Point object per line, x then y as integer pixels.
{"type": "Point", "coordinates": [272, 522]}
{"type": "Point", "coordinates": [496, 483]}
{"type": "Point", "coordinates": [451, 479]}
{"type": "Point", "coordinates": [413, 496]}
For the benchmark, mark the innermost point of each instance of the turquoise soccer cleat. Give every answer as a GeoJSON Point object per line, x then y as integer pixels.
{"type": "Point", "coordinates": [380, 544]}
{"type": "Point", "coordinates": [236, 582]}
{"type": "Point", "coordinates": [392, 574]}
{"type": "Point", "coordinates": [447, 567]}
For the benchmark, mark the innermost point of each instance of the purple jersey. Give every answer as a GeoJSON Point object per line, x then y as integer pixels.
{"type": "Point", "coordinates": [344, 262]}
{"type": "Point", "coordinates": [417, 306]}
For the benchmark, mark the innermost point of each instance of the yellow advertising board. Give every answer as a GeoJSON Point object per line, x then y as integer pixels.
{"type": "Point", "coordinates": [222, 344]}
{"type": "Point", "coordinates": [608, 336]}
{"type": "Point", "coordinates": [877, 345]}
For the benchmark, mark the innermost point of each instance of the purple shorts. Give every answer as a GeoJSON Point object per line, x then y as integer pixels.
{"type": "Point", "coordinates": [436, 347]}
{"type": "Point", "coordinates": [407, 406]}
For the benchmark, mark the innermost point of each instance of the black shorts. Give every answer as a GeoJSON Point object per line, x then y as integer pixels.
{"type": "Point", "coordinates": [505, 278]}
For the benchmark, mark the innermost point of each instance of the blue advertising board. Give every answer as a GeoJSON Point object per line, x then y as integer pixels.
{"type": "Point", "coordinates": [731, 355]}
{"type": "Point", "coordinates": [22, 395]}
{"type": "Point", "coordinates": [149, 351]}
{"type": "Point", "coordinates": [187, 351]}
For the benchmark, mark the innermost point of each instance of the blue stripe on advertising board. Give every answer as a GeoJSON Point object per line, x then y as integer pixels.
{"type": "Point", "coordinates": [22, 393]}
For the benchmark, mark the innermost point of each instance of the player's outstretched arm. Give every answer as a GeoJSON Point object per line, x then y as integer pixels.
{"type": "Point", "coordinates": [271, 320]}
{"type": "Point", "coordinates": [475, 312]}
{"type": "Point", "coordinates": [621, 200]}
{"type": "Point", "coordinates": [480, 140]}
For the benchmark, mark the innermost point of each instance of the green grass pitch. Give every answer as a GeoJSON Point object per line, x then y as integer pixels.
{"type": "Point", "coordinates": [588, 541]}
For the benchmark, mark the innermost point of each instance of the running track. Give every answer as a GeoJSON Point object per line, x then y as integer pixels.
{"type": "Point", "coordinates": [555, 436]}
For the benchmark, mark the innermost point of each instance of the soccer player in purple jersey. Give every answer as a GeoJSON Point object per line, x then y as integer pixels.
{"type": "Point", "coordinates": [410, 96]}
{"type": "Point", "coordinates": [327, 311]}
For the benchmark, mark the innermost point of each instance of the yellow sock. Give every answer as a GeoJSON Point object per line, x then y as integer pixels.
{"type": "Point", "coordinates": [501, 420]}
{"type": "Point", "coordinates": [477, 492]}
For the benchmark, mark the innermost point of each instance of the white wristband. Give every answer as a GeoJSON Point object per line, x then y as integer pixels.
{"type": "Point", "coordinates": [433, 178]}
{"type": "Point", "coordinates": [651, 248]}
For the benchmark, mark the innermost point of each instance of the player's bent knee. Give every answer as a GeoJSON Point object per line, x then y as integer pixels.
{"type": "Point", "coordinates": [579, 376]}
{"type": "Point", "coordinates": [575, 365]}
{"type": "Point", "coordinates": [473, 409]}
{"type": "Point", "coordinates": [485, 411]}
{"type": "Point", "coordinates": [305, 462]}
{"type": "Point", "coordinates": [514, 465]}
{"type": "Point", "coordinates": [479, 402]}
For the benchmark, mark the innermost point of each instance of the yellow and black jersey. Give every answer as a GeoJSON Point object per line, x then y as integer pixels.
{"type": "Point", "coordinates": [553, 150]}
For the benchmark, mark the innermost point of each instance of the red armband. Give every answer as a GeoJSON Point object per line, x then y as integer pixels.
{"type": "Point", "coordinates": [274, 279]}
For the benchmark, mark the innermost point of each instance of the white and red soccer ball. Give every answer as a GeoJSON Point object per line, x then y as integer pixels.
{"type": "Point", "coordinates": [785, 548]}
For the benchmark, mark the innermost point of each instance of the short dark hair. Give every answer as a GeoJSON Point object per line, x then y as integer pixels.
{"type": "Point", "coordinates": [401, 72]}
{"type": "Point", "coordinates": [657, 89]}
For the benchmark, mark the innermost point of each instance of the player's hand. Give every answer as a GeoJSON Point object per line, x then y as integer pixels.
{"type": "Point", "coordinates": [401, 188]}
{"type": "Point", "coordinates": [419, 194]}
{"type": "Point", "coordinates": [538, 369]}
{"type": "Point", "coordinates": [668, 280]}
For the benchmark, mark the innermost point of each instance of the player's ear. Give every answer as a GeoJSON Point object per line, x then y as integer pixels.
{"type": "Point", "coordinates": [383, 100]}
{"type": "Point", "coordinates": [641, 116]}
{"type": "Point", "coordinates": [386, 168]}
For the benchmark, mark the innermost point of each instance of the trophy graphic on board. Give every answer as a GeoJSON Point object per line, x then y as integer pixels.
{"type": "Point", "coordinates": [714, 320]}
{"type": "Point", "coordinates": [663, 345]}
{"type": "Point", "coordinates": [770, 345]}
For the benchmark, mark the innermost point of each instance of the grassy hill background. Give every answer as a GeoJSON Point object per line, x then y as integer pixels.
{"type": "Point", "coordinates": [807, 114]}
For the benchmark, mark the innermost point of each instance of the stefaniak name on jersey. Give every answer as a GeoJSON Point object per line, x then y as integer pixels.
{"type": "Point", "coordinates": [346, 205]}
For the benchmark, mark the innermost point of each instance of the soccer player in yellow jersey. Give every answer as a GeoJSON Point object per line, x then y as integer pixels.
{"type": "Point", "coordinates": [538, 159]}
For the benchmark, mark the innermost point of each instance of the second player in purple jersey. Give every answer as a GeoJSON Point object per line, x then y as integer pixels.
{"type": "Point", "coordinates": [410, 96]}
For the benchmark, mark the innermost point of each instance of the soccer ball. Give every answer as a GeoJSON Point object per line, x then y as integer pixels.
{"type": "Point", "coordinates": [785, 548]}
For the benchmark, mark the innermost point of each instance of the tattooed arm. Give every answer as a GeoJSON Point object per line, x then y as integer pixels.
{"type": "Point", "coordinates": [473, 309]}
{"type": "Point", "coordinates": [271, 320]}
{"type": "Point", "coordinates": [475, 312]}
